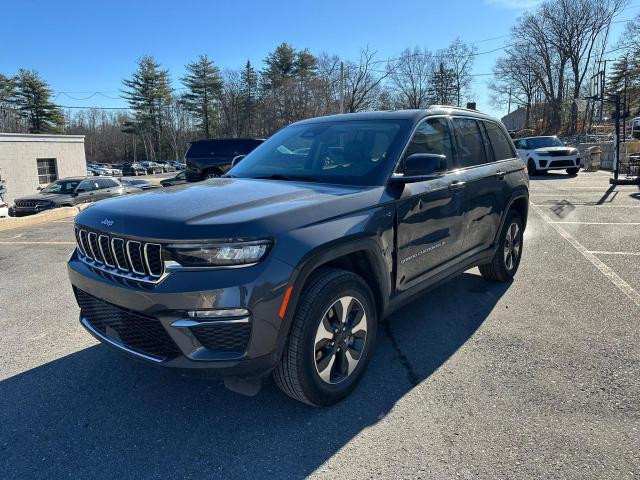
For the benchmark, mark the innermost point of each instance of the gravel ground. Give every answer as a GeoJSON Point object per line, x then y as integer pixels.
{"type": "Point", "coordinates": [536, 379]}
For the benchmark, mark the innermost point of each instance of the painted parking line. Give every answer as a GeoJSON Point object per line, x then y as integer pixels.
{"type": "Point", "coordinates": [601, 223]}
{"type": "Point", "coordinates": [623, 286]}
{"type": "Point", "coordinates": [596, 252]}
{"type": "Point", "coordinates": [586, 205]}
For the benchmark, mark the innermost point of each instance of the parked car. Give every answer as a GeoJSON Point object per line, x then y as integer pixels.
{"type": "Point", "coordinates": [542, 154]}
{"type": "Point", "coordinates": [133, 169]}
{"type": "Point", "coordinates": [68, 192]}
{"type": "Point", "coordinates": [178, 165]}
{"type": "Point", "coordinates": [152, 167]}
{"type": "Point", "coordinates": [4, 208]}
{"type": "Point", "coordinates": [212, 158]}
{"type": "Point", "coordinates": [288, 263]}
{"type": "Point", "coordinates": [179, 179]}
{"type": "Point", "coordinates": [140, 184]}
{"type": "Point", "coordinates": [166, 166]}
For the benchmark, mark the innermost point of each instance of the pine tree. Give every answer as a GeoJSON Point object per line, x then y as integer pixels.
{"type": "Point", "coordinates": [204, 87]}
{"type": "Point", "coordinates": [280, 64]}
{"type": "Point", "coordinates": [8, 107]}
{"type": "Point", "coordinates": [148, 91]}
{"type": "Point", "coordinates": [248, 96]}
{"type": "Point", "coordinates": [33, 97]}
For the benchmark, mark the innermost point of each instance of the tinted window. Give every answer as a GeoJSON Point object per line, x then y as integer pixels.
{"type": "Point", "coordinates": [470, 141]}
{"type": "Point", "coordinates": [432, 136]}
{"type": "Point", "coordinates": [88, 185]}
{"type": "Point", "coordinates": [106, 183]}
{"type": "Point", "coordinates": [222, 148]}
{"type": "Point", "coordinates": [62, 186]}
{"type": "Point", "coordinates": [345, 152]}
{"type": "Point", "coordinates": [502, 149]}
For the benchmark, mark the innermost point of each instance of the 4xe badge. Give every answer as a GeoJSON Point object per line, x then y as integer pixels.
{"type": "Point", "coordinates": [106, 222]}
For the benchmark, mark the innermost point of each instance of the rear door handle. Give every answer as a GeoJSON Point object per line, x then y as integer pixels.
{"type": "Point", "coordinates": [456, 185]}
{"type": "Point", "coordinates": [500, 174]}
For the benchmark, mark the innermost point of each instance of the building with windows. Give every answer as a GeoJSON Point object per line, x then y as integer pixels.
{"type": "Point", "coordinates": [30, 160]}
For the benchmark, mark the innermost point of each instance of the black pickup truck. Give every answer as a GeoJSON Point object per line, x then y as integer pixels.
{"type": "Point", "coordinates": [287, 264]}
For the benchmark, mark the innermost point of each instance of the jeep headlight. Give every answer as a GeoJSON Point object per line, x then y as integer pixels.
{"type": "Point", "coordinates": [219, 254]}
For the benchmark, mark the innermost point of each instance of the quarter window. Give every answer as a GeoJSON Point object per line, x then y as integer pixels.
{"type": "Point", "coordinates": [432, 136]}
{"type": "Point", "coordinates": [47, 171]}
{"type": "Point", "coordinates": [472, 150]}
{"type": "Point", "coordinates": [88, 185]}
{"type": "Point", "coordinates": [502, 149]}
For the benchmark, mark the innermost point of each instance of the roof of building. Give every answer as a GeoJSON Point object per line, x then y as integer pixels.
{"type": "Point", "coordinates": [40, 137]}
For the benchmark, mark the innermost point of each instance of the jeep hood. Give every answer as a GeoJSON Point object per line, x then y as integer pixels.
{"type": "Point", "coordinates": [47, 197]}
{"type": "Point", "coordinates": [225, 208]}
{"type": "Point", "coordinates": [555, 149]}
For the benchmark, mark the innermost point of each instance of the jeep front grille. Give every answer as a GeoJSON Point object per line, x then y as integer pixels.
{"type": "Point", "coordinates": [132, 259]}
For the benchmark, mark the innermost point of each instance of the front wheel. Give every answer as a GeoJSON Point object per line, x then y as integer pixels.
{"type": "Point", "coordinates": [531, 168]}
{"type": "Point", "coordinates": [506, 260]}
{"type": "Point", "coordinates": [573, 171]}
{"type": "Point", "coordinates": [331, 339]}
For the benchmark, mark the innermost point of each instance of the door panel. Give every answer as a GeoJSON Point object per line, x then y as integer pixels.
{"type": "Point", "coordinates": [430, 224]}
{"type": "Point", "coordinates": [429, 213]}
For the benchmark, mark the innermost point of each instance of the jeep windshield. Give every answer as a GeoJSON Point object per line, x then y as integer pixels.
{"type": "Point", "coordinates": [342, 152]}
{"type": "Point", "coordinates": [61, 187]}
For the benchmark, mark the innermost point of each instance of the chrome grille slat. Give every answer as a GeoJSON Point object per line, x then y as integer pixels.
{"type": "Point", "coordinates": [117, 245]}
{"type": "Point", "coordinates": [157, 251]}
{"type": "Point", "coordinates": [135, 257]}
{"type": "Point", "coordinates": [92, 237]}
{"type": "Point", "coordinates": [108, 258]}
{"type": "Point", "coordinates": [131, 259]}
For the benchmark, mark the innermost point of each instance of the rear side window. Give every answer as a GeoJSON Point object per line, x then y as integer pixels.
{"type": "Point", "coordinates": [88, 185]}
{"type": "Point", "coordinates": [502, 149]}
{"type": "Point", "coordinates": [222, 148]}
{"type": "Point", "coordinates": [432, 136]}
{"type": "Point", "coordinates": [471, 151]}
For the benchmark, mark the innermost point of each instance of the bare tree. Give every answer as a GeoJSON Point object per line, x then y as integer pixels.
{"type": "Point", "coordinates": [410, 77]}
{"type": "Point", "coordinates": [458, 58]}
{"type": "Point", "coordinates": [363, 82]}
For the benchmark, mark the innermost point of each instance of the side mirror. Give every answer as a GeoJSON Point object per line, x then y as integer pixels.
{"type": "Point", "coordinates": [421, 166]}
{"type": "Point", "coordinates": [237, 160]}
{"type": "Point", "coordinates": [39, 187]}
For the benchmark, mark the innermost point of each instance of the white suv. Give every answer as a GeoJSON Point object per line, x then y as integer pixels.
{"type": "Point", "coordinates": [547, 153]}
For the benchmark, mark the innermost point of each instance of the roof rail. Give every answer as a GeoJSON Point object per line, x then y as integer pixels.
{"type": "Point", "coordinates": [452, 107]}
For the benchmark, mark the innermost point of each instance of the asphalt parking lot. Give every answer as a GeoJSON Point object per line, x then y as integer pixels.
{"type": "Point", "coordinates": [536, 379]}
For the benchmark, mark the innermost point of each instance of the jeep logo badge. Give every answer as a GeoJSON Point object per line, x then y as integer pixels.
{"type": "Point", "coordinates": [107, 222]}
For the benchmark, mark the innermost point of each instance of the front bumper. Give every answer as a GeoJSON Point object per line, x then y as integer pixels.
{"type": "Point", "coordinates": [150, 322]}
{"type": "Point", "coordinates": [557, 163]}
{"type": "Point", "coordinates": [15, 211]}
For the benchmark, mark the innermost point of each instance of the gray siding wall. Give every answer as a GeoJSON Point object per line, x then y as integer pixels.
{"type": "Point", "coordinates": [19, 152]}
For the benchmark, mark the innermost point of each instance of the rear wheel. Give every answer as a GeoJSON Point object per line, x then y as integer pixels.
{"type": "Point", "coordinates": [573, 171]}
{"type": "Point", "coordinates": [506, 260]}
{"type": "Point", "coordinates": [331, 339]}
{"type": "Point", "coordinates": [531, 168]}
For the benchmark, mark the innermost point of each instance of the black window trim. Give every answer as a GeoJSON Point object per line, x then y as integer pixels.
{"type": "Point", "coordinates": [484, 135]}
{"type": "Point", "coordinates": [454, 145]}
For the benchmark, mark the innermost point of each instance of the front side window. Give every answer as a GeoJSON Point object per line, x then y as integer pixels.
{"type": "Point", "coordinates": [502, 149]}
{"type": "Point", "coordinates": [343, 152]}
{"type": "Point", "coordinates": [47, 171]}
{"type": "Point", "coordinates": [61, 186]}
{"type": "Point", "coordinates": [470, 141]}
{"type": "Point", "coordinates": [432, 136]}
{"type": "Point", "coordinates": [88, 185]}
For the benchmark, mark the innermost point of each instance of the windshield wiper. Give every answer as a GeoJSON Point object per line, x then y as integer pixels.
{"type": "Point", "coordinates": [279, 176]}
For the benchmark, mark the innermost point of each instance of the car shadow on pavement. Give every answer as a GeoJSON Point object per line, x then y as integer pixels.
{"type": "Point", "coordinates": [99, 414]}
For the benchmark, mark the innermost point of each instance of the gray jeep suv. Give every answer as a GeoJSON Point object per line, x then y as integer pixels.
{"type": "Point", "coordinates": [286, 265]}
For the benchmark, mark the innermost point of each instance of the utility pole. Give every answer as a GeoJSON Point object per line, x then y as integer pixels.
{"type": "Point", "coordinates": [341, 87]}
{"type": "Point", "coordinates": [509, 109]}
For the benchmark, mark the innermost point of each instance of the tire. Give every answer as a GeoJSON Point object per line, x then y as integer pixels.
{"type": "Point", "coordinates": [504, 265]}
{"type": "Point", "coordinates": [573, 171]}
{"type": "Point", "coordinates": [531, 168]}
{"type": "Point", "coordinates": [302, 372]}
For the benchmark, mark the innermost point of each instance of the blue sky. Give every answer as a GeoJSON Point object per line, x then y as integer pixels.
{"type": "Point", "coordinates": [81, 47]}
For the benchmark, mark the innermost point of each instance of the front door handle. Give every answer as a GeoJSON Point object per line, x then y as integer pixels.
{"type": "Point", "coordinates": [457, 185]}
{"type": "Point", "coordinates": [500, 174]}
